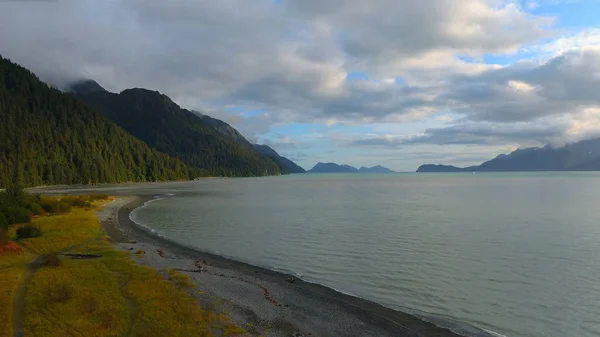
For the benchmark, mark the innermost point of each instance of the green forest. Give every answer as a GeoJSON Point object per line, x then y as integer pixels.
{"type": "Point", "coordinates": [163, 125]}
{"type": "Point", "coordinates": [48, 137]}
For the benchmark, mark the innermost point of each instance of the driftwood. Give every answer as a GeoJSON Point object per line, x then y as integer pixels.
{"type": "Point", "coordinates": [199, 270]}
{"type": "Point", "coordinates": [82, 256]}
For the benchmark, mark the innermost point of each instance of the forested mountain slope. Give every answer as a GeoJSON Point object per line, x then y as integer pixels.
{"type": "Point", "coordinates": [49, 137]}
{"type": "Point", "coordinates": [163, 125]}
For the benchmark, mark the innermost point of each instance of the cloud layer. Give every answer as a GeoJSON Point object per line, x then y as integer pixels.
{"type": "Point", "coordinates": [330, 62]}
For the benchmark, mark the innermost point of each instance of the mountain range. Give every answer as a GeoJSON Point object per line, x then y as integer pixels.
{"type": "Point", "coordinates": [197, 139]}
{"type": "Point", "coordinates": [89, 135]}
{"type": "Point", "coordinates": [579, 156]}
{"type": "Point", "coordinates": [335, 168]}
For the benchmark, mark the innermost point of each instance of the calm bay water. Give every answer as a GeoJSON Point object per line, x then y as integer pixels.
{"type": "Point", "coordinates": [518, 254]}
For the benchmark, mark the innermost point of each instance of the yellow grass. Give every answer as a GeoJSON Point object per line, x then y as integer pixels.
{"type": "Point", "coordinates": [61, 232]}
{"type": "Point", "coordinates": [12, 268]}
{"type": "Point", "coordinates": [107, 296]}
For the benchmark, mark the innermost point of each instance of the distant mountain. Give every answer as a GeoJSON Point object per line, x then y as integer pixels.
{"type": "Point", "coordinates": [375, 169]}
{"type": "Point", "coordinates": [335, 168]}
{"type": "Point", "coordinates": [49, 137]}
{"type": "Point", "coordinates": [580, 156]}
{"type": "Point", "coordinates": [332, 168]}
{"type": "Point", "coordinates": [285, 165]}
{"type": "Point", "coordinates": [162, 124]}
{"type": "Point", "coordinates": [439, 168]}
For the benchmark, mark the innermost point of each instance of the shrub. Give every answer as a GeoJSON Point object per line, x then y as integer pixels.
{"type": "Point", "coordinates": [35, 208]}
{"type": "Point", "coordinates": [64, 206]}
{"type": "Point", "coordinates": [79, 201]}
{"type": "Point", "coordinates": [95, 196]}
{"type": "Point", "coordinates": [54, 206]}
{"type": "Point", "coordinates": [3, 222]}
{"type": "Point", "coordinates": [16, 215]}
{"type": "Point", "coordinates": [49, 205]}
{"type": "Point", "coordinates": [28, 231]}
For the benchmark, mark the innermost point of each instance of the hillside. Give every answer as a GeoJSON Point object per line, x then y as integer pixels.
{"type": "Point", "coordinates": [580, 156]}
{"type": "Point", "coordinates": [285, 165]}
{"type": "Point", "coordinates": [49, 137]}
{"type": "Point", "coordinates": [163, 125]}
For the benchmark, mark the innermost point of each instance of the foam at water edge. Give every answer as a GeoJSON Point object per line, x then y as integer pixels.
{"type": "Point", "coordinates": [132, 214]}
{"type": "Point", "coordinates": [460, 328]}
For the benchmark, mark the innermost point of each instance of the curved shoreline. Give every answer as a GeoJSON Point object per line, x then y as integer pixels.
{"type": "Point", "coordinates": [375, 319]}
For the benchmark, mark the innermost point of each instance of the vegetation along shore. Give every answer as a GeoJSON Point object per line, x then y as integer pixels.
{"type": "Point", "coordinates": [61, 276]}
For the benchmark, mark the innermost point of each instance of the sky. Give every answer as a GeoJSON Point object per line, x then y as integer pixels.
{"type": "Point", "coordinates": [397, 83]}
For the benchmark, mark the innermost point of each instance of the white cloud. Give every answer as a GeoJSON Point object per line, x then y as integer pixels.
{"type": "Point", "coordinates": [521, 87]}
{"type": "Point", "coordinates": [291, 60]}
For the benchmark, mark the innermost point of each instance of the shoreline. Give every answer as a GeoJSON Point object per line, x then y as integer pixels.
{"type": "Point", "coordinates": [259, 299]}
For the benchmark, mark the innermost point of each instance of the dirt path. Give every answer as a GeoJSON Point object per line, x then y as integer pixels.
{"type": "Point", "coordinates": [19, 298]}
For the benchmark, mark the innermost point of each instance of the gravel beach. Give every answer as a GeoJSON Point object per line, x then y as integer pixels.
{"type": "Point", "coordinates": [261, 301]}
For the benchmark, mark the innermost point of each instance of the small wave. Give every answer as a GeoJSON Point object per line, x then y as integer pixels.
{"type": "Point", "coordinates": [155, 198]}
{"type": "Point", "coordinates": [133, 214]}
{"type": "Point", "coordinates": [493, 333]}
{"type": "Point", "coordinates": [458, 327]}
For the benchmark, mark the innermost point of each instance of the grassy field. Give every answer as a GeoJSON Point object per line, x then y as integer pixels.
{"type": "Point", "coordinates": [106, 296]}
{"type": "Point", "coordinates": [12, 267]}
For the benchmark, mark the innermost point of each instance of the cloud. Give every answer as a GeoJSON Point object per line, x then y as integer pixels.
{"type": "Point", "coordinates": [281, 142]}
{"type": "Point", "coordinates": [527, 90]}
{"type": "Point", "coordinates": [290, 60]}
{"type": "Point", "coordinates": [470, 134]}
{"type": "Point", "coordinates": [290, 57]}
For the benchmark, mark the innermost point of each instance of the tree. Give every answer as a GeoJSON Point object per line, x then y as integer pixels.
{"type": "Point", "coordinates": [49, 137]}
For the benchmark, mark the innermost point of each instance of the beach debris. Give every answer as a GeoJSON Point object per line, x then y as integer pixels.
{"type": "Point", "coordinates": [200, 265]}
{"type": "Point", "coordinates": [266, 292]}
{"type": "Point", "coordinates": [202, 262]}
{"type": "Point", "coordinates": [82, 256]}
{"type": "Point", "coordinates": [197, 270]}
{"type": "Point", "coordinates": [290, 279]}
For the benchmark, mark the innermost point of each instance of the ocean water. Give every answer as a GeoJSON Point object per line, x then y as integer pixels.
{"type": "Point", "coordinates": [515, 254]}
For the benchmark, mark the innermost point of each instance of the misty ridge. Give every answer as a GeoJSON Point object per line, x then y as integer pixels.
{"type": "Point", "coordinates": [580, 156]}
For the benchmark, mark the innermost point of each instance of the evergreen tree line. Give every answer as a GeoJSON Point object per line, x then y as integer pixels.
{"type": "Point", "coordinates": [163, 125]}
{"type": "Point", "coordinates": [48, 137]}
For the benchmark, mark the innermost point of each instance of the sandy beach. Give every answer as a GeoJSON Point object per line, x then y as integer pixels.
{"type": "Point", "coordinates": [261, 301]}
